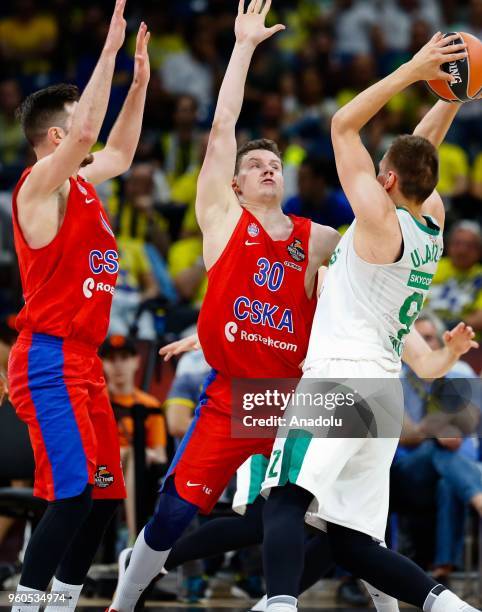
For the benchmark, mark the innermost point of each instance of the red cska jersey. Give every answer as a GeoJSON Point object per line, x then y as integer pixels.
{"type": "Point", "coordinates": [256, 318]}
{"type": "Point", "coordinates": [68, 284]}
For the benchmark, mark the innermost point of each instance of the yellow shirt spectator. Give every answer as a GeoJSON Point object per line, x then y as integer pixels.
{"type": "Point", "coordinates": [456, 293]}
{"type": "Point", "coordinates": [453, 170]}
{"type": "Point", "coordinates": [186, 255]}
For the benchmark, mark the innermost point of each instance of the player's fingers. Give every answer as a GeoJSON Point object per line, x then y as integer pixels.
{"type": "Point", "coordinates": [454, 57]}
{"type": "Point", "coordinates": [447, 40]}
{"type": "Point", "coordinates": [147, 38]}
{"type": "Point", "coordinates": [453, 48]}
{"type": "Point", "coordinates": [257, 6]}
{"type": "Point", "coordinates": [139, 38]}
{"type": "Point", "coordinates": [276, 28]}
{"type": "Point", "coordinates": [251, 6]}
{"type": "Point", "coordinates": [474, 344]}
{"type": "Point", "coordinates": [119, 7]}
{"type": "Point", "coordinates": [241, 7]}
{"type": "Point", "coordinates": [168, 356]}
{"type": "Point", "coordinates": [266, 7]}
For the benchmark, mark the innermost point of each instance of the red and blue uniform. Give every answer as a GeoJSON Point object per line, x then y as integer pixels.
{"type": "Point", "coordinates": [55, 375]}
{"type": "Point", "coordinates": [255, 322]}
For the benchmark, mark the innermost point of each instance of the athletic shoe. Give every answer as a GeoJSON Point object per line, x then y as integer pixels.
{"type": "Point", "coordinates": [350, 592]}
{"type": "Point", "coordinates": [260, 606]}
{"type": "Point", "coordinates": [194, 590]}
{"type": "Point", "coordinates": [249, 587]}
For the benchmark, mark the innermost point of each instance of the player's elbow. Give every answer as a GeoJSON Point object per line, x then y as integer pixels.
{"type": "Point", "coordinates": [223, 120]}
{"type": "Point", "coordinates": [339, 123]}
{"type": "Point", "coordinates": [85, 136]}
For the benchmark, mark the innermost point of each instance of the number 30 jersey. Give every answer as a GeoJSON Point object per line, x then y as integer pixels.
{"type": "Point", "coordinates": [365, 311]}
{"type": "Point", "coordinates": [256, 318]}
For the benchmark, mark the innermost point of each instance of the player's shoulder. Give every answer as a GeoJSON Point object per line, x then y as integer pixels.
{"type": "Point", "coordinates": [323, 240]}
{"type": "Point", "coordinates": [324, 235]}
{"type": "Point", "coordinates": [434, 207]}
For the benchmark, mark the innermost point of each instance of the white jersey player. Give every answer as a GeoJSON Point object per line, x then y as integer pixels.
{"type": "Point", "coordinates": [379, 276]}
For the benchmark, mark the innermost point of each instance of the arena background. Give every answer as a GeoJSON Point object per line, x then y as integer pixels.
{"type": "Point", "coordinates": [330, 51]}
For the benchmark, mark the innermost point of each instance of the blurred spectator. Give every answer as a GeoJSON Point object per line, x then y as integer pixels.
{"type": "Point", "coordinates": [183, 395]}
{"type": "Point", "coordinates": [27, 42]}
{"type": "Point", "coordinates": [186, 267]}
{"type": "Point", "coordinates": [316, 200]}
{"type": "Point", "coordinates": [476, 182]}
{"type": "Point", "coordinates": [121, 363]}
{"type": "Point", "coordinates": [135, 215]}
{"type": "Point", "coordinates": [181, 150]}
{"type": "Point", "coordinates": [435, 465]}
{"type": "Point", "coordinates": [13, 147]}
{"type": "Point", "coordinates": [193, 71]}
{"type": "Point", "coordinates": [453, 170]}
{"type": "Point", "coordinates": [456, 291]}
{"type": "Point", "coordinates": [135, 285]}
{"type": "Point", "coordinates": [474, 21]}
{"type": "Point", "coordinates": [8, 335]}
{"type": "Point", "coordinates": [354, 23]}
{"type": "Point", "coordinates": [396, 18]}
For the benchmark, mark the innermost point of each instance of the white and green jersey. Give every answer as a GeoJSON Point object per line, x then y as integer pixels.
{"type": "Point", "coordinates": [365, 310]}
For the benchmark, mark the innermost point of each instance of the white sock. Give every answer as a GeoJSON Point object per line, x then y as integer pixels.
{"type": "Point", "coordinates": [281, 603]}
{"type": "Point", "coordinates": [381, 601]}
{"type": "Point", "coordinates": [26, 607]}
{"type": "Point", "coordinates": [145, 564]}
{"type": "Point", "coordinates": [445, 601]}
{"type": "Point", "coordinates": [72, 593]}
{"type": "Point", "coordinates": [260, 606]}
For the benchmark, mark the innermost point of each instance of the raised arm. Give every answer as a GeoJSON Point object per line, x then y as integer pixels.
{"type": "Point", "coordinates": [434, 127]}
{"type": "Point", "coordinates": [427, 363]}
{"type": "Point", "coordinates": [50, 172]}
{"type": "Point", "coordinates": [116, 157]}
{"type": "Point", "coordinates": [368, 199]}
{"type": "Point", "coordinates": [214, 188]}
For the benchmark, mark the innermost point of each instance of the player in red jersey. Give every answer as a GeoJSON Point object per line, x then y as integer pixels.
{"type": "Point", "coordinates": [256, 316]}
{"type": "Point", "coordinates": [68, 263]}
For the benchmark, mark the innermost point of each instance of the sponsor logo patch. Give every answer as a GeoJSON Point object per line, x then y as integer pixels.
{"type": "Point", "coordinates": [103, 478]}
{"type": "Point", "coordinates": [419, 280]}
{"type": "Point", "coordinates": [253, 230]}
{"type": "Point", "coordinates": [296, 250]}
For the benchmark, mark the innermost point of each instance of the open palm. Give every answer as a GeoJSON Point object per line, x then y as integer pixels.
{"type": "Point", "coordinates": [249, 26]}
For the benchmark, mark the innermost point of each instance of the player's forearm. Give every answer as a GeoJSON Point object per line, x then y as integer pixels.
{"type": "Point", "coordinates": [124, 136]}
{"type": "Point", "coordinates": [358, 112]}
{"type": "Point", "coordinates": [436, 123]}
{"type": "Point", "coordinates": [435, 364]}
{"type": "Point", "coordinates": [90, 112]}
{"type": "Point", "coordinates": [231, 93]}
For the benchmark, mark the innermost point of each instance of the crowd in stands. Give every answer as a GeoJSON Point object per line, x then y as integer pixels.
{"type": "Point", "coordinates": [330, 51]}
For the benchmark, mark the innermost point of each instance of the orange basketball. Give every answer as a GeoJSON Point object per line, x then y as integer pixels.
{"type": "Point", "coordinates": [467, 73]}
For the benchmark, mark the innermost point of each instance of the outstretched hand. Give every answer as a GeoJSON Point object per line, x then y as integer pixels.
{"type": "Point", "coordinates": [460, 339]}
{"type": "Point", "coordinates": [142, 69]}
{"type": "Point", "coordinates": [191, 343]}
{"type": "Point", "coordinates": [427, 63]}
{"type": "Point", "coordinates": [117, 29]}
{"type": "Point", "coordinates": [249, 26]}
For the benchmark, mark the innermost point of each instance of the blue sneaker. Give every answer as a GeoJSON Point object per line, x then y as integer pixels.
{"type": "Point", "coordinates": [194, 590]}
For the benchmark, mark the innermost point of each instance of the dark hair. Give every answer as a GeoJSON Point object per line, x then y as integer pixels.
{"type": "Point", "coordinates": [415, 160]}
{"type": "Point", "coordinates": [44, 108]}
{"type": "Point", "coordinates": [253, 145]}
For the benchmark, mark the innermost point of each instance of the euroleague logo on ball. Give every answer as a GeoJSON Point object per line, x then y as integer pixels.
{"type": "Point", "coordinates": [253, 230]}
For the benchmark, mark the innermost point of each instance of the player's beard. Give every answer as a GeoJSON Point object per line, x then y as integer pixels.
{"type": "Point", "coordinates": [87, 160]}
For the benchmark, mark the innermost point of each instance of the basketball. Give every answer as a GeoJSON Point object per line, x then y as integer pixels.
{"type": "Point", "coordinates": [467, 73]}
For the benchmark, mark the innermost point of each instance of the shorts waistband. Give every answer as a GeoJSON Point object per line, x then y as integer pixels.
{"type": "Point", "coordinates": [28, 337]}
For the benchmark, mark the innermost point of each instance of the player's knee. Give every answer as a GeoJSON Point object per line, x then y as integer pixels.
{"type": "Point", "coordinates": [286, 504]}
{"type": "Point", "coordinates": [348, 546]}
{"type": "Point", "coordinates": [77, 508]}
{"type": "Point", "coordinates": [171, 517]}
